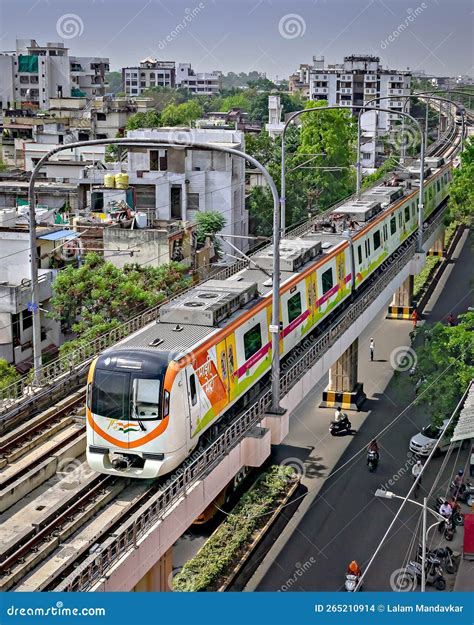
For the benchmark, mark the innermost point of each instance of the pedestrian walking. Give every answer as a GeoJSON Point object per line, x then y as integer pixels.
{"type": "Point", "coordinates": [416, 472]}
{"type": "Point", "coordinates": [372, 349]}
{"type": "Point", "coordinates": [414, 318]}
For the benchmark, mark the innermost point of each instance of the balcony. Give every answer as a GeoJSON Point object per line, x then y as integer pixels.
{"type": "Point", "coordinates": [396, 78]}
{"type": "Point", "coordinates": [346, 90]}
{"type": "Point", "coordinates": [396, 91]}
{"type": "Point", "coordinates": [15, 297]}
{"type": "Point", "coordinates": [370, 78]}
{"type": "Point", "coordinates": [370, 91]}
{"type": "Point", "coordinates": [346, 77]}
{"type": "Point", "coordinates": [320, 90]}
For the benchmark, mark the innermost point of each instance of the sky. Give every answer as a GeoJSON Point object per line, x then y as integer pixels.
{"type": "Point", "coordinates": [272, 36]}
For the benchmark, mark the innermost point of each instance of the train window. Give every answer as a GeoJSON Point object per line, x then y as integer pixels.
{"type": "Point", "coordinates": [393, 225]}
{"type": "Point", "coordinates": [166, 404]}
{"type": "Point", "coordinates": [111, 396]}
{"type": "Point", "coordinates": [377, 240]}
{"type": "Point", "coordinates": [192, 389]}
{"type": "Point", "coordinates": [407, 213]}
{"type": "Point", "coordinates": [294, 307]}
{"type": "Point", "coordinates": [146, 398]}
{"type": "Point", "coordinates": [413, 209]}
{"type": "Point", "coordinates": [327, 280]}
{"type": "Point", "coordinates": [368, 247]}
{"type": "Point", "coordinates": [385, 232]}
{"type": "Point", "coordinates": [400, 217]}
{"type": "Point", "coordinates": [252, 341]}
{"type": "Point", "coordinates": [359, 254]}
{"type": "Point", "coordinates": [438, 186]}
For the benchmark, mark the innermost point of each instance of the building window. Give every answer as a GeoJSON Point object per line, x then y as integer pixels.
{"type": "Point", "coordinates": [327, 280]}
{"type": "Point", "coordinates": [377, 242]}
{"type": "Point", "coordinates": [359, 254]}
{"type": "Point", "coordinates": [393, 225]}
{"type": "Point", "coordinates": [101, 117]}
{"type": "Point", "coordinates": [252, 341]}
{"type": "Point", "coordinates": [158, 160]}
{"type": "Point", "coordinates": [193, 201]}
{"type": "Point", "coordinates": [294, 307]}
{"type": "Point", "coordinates": [27, 319]}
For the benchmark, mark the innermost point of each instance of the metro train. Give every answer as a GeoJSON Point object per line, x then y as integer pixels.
{"type": "Point", "coordinates": [152, 396]}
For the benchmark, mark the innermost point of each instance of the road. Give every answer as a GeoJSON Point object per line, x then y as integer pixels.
{"type": "Point", "coordinates": [339, 518]}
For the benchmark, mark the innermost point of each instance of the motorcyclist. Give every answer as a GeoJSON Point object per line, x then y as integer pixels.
{"type": "Point", "coordinates": [373, 446]}
{"type": "Point", "coordinates": [354, 569]}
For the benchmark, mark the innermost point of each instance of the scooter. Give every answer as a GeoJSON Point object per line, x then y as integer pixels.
{"type": "Point", "coordinates": [449, 529]}
{"type": "Point", "coordinates": [434, 572]}
{"type": "Point", "coordinates": [351, 582]}
{"type": "Point", "coordinates": [340, 426]}
{"type": "Point", "coordinates": [372, 460]}
{"type": "Point", "coordinates": [464, 493]}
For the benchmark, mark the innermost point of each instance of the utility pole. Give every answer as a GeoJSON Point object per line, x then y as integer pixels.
{"type": "Point", "coordinates": [423, 548]}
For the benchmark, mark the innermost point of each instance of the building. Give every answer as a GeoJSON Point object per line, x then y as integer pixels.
{"type": "Point", "coordinates": [235, 119]}
{"type": "Point", "coordinates": [174, 184]}
{"type": "Point", "coordinates": [33, 74]}
{"type": "Point", "coordinates": [16, 316]}
{"type": "Point", "coordinates": [354, 82]}
{"type": "Point", "coordinates": [153, 73]}
{"type": "Point", "coordinates": [299, 81]}
{"type": "Point", "coordinates": [275, 124]}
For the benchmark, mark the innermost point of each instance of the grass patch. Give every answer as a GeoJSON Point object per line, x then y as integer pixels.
{"type": "Point", "coordinates": [425, 274]}
{"type": "Point", "coordinates": [225, 547]}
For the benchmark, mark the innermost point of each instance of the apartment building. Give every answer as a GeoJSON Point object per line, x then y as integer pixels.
{"type": "Point", "coordinates": [33, 74]}
{"type": "Point", "coordinates": [174, 184]}
{"type": "Point", "coordinates": [354, 82]}
{"type": "Point", "coordinates": [153, 73]}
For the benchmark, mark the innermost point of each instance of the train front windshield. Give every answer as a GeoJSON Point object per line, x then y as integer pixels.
{"type": "Point", "coordinates": [130, 396]}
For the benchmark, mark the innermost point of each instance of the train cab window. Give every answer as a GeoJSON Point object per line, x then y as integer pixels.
{"type": "Point", "coordinates": [294, 307]}
{"type": "Point", "coordinates": [377, 241]}
{"type": "Point", "coordinates": [252, 341]}
{"type": "Point", "coordinates": [393, 225]}
{"type": "Point", "coordinates": [192, 389]}
{"type": "Point", "coordinates": [359, 254]}
{"type": "Point", "coordinates": [407, 213]}
{"type": "Point", "coordinates": [327, 280]}
{"type": "Point", "coordinates": [111, 396]}
{"type": "Point", "coordinates": [145, 398]}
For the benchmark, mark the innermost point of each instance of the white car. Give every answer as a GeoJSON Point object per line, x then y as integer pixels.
{"type": "Point", "coordinates": [422, 443]}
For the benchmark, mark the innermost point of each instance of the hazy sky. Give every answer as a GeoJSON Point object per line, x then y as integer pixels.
{"type": "Point", "coordinates": [273, 36]}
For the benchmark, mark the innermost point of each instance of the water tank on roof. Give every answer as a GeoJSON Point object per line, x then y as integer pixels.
{"type": "Point", "coordinates": [141, 220]}
{"type": "Point", "coordinates": [121, 181]}
{"type": "Point", "coordinates": [109, 181]}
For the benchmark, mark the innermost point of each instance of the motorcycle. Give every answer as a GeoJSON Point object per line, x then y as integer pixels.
{"type": "Point", "coordinates": [457, 516]}
{"type": "Point", "coordinates": [448, 528]}
{"type": "Point", "coordinates": [343, 425]}
{"type": "Point", "coordinates": [464, 493]}
{"type": "Point", "coordinates": [372, 460]}
{"type": "Point", "coordinates": [444, 554]}
{"type": "Point", "coordinates": [434, 572]}
{"type": "Point", "coordinates": [351, 582]}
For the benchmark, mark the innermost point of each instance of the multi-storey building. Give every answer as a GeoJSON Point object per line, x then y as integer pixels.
{"type": "Point", "coordinates": [153, 73]}
{"type": "Point", "coordinates": [33, 74]}
{"type": "Point", "coordinates": [175, 184]}
{"type": "Point", "coordinates": [354, 82]}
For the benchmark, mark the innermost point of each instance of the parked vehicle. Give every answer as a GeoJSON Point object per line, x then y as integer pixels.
{"type": "Point", "coordinates": [344, 425]}
{"type": "Point", "coordinates": [422, 444]}
{"type": "Point", "coordinates": [434, 572]}
{"type": "Point", "coordinates": [465, 493]}
{"type": "Point", "coordinates": [444, 554]}
{"type": "Point", "coordinates": [457, 516]}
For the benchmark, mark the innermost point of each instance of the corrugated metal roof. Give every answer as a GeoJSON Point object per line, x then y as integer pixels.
{"type": "Point", "coordinates": [465, 426]}
{"type": "Point", "coordinates": [59, 234]}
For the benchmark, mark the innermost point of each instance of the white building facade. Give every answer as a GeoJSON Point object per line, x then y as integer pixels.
{"type": "Point", "coordinates": [356, 81]}
{"type": "Point", "coordinates": [34, 74]}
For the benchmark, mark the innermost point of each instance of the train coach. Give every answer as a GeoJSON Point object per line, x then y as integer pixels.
{"type": "Point", "coordinates": [152, 396]}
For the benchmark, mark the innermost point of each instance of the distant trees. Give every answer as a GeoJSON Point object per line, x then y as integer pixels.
{"type": "Point", "coordinates": [181, 114]}
{"type": "Point", "coordinates": [461, 192]}
{"type": "Point", "coordinates": [208, 225]}
{"type": "Point", "coordinates": [115, 82]}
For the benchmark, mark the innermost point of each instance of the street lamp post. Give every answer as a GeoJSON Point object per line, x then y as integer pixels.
{"type": "Point", "coordinates": [275, 325]}
{"type": "Point", "coordinates": [386, 494]}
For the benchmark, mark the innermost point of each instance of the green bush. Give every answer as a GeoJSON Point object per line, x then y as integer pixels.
{"type": "Point", "coordinates": [8, 374]}
{"type": "Point", "coordinates": [422, 278]}
{"type": "Point", "coordinates": [253, 510]}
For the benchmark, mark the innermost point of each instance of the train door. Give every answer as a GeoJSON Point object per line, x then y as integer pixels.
{"type": "Point", "coordinates": [194, 405]}
{"type": "Point", "coordinates": [232, 379]}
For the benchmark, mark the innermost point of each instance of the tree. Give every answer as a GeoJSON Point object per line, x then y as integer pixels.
{"type": "Point", "coordinates": [8, 374]}
{"type": "Point", "coordinates": [115, 82]}
{"type": "Point", "coordinates": [182, 114]}
{"type": "Point", "coordinates": [150, 119]}
{"type": "Point", "coordinates": [208, 225]}
{"type": "Point", "coordinates": [385, 168]}
{"type": "Point", "coordinates": [99, 293]}
{"type": "Point", "coordinates": [239, 101]}
{"type": "Point", "coordinates": [461, 192]}
{"type": "Point", "coordinates": [445, 362]}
